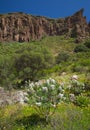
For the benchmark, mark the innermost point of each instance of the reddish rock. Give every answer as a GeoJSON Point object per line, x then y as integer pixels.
{"type": "Point", "coordinates": [23, 27]}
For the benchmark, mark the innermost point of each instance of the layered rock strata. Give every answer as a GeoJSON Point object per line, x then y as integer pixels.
{"type": "Point", "coordinates": [22, 27]}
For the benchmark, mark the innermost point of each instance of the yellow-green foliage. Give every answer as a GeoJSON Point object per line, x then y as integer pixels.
{"type": "Point", "coordinates": [67, 117]}
{"type": "Point", "coordinates": [38, 59]}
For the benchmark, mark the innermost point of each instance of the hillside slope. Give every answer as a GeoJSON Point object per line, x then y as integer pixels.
{"type": "Point", "coordinates": [39, 59]}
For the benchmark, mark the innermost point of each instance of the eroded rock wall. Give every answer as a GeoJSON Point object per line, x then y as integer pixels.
{"type": "Point", "coordinates": [23, 27]}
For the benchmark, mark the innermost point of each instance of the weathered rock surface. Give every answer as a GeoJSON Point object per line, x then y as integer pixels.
{"type": "Point", "coordinates": [11, 97]}
{"type": "Point", "coordinates": [23, 27]}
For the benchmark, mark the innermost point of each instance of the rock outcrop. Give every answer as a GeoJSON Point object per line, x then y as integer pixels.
{"type": "Point", "coordinates": [11, 97]}
{"type": "Point", "coordinates": [23, 27]}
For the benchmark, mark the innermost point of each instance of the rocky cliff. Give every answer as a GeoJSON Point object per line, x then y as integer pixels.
{"type": "Point", "coordinates": [23, 27]}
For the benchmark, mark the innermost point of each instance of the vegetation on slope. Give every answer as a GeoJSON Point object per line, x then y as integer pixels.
{"type": "Point", "coordinates": [35, 60]}
{"type": "Point", "coordinates": [39, 59]}
{"type": "Point", "coordinates": [67, 117]}
{"type": "Point", "coordinates": [51, 57]}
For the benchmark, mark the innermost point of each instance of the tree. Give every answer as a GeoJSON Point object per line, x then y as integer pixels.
{"type": "Point", "coordinates": [29, 64]}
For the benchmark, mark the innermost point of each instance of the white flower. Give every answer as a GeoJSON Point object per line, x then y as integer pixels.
{"type": "Point", "coordinates": [74, 81]}
{"type": "Point", "coordinates": [52, 80]}
{"type": "Point", "coordinates": [72, 97]}
{"type": "Point", "coordinates": [60, 95]}
{"type": "Point", "coordinates": [38, 104]}
{"type": "Point", "coordinates": [31, 84]}
{"type": "Point", "coordinates": [26, 99]}
{"type": "Point", "coordinates": [54, 105]}
{"type": "Point", "coordinates": [47, 81]}
{"type": "Point", "coordinates": [30, 90]}
{"type": "Point", "coordinates": [60, 89]}
{"type": "Point", "coordinates": [64, 98]}
{"type": "Point", "coordinates": [52, 87]}
{"type": "Point", "coordinates": [83, 85]}
{"type": "Point", "coordinates": [44, 89]}
{"type": "Point", "coordinates": [37, 84]}
{"type": "Point", "coordinates": [40, 82]}
{"type": "Point", "coordinates": [69, 86]}
{"type": "Point", "coordinates": [26, 82]}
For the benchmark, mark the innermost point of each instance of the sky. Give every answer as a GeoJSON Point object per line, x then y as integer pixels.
{"type": "Point", "coordinates": [49, 8]}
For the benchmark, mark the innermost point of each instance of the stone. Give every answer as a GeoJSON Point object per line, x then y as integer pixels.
{"type": "Point", "coordinates": [21, 27]}
{"type": "Point", "coordinates": [12, 97]}
{"type": "Point", "coordinates": [74, 77]}
{"type": "Point", "coordinates": [1, 89]}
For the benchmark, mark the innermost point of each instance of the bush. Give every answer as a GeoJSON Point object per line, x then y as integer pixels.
{"type": "Point", "coordinates": [87, 44]}
{"type": "Point", "coordinates": [87, 85]}
{"type": "Point", "coordinates": [62, 57]}
{"type": "Point", "coordinates": [29, 65]}
{"type": "Point", "coordinates": [45, 96]}
{"type": "Point", "coordinates": [77, 68]}
{"type": "Point", "coordinates": [81, 48]}
{"type": "Point", "coordinates": [66, 117]}
{"type": "Point", "coordinates": [76, 87]}
{"type": "Point", "coordinates": [82, 101]}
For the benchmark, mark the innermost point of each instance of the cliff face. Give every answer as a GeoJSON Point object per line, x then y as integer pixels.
{"type": "Point", "coordinates": [22, 27]}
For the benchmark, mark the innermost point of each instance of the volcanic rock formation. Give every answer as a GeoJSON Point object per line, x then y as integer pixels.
{"type": "Point", "coordinates": [22, 27]}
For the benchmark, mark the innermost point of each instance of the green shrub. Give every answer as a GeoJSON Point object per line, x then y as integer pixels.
{"type": "Point", "coordinates": [87, 85]}
{"type": "Point", "coordinates": [81, 48]}
{"type": "Point", "coordinates": [77, 87]}
{"type": "Point", "coordinates": [45, 96]}
{"type": "Point", "coordinates": [77, 68]}
{"type": "Point", "coordinates": [66, 117]}
{"type": "Point", "coordinates": [18, 61]}
{"type": "Point", "coordinates": [29, 65]}
{"type": "Point", "coordinates": [87, 44]}
{"type": "Point", "coordinates": [62, 57]}
{"type": "Point", "coordinates": [82, 101]}
{"type": "Point", "coordinates": [8, 115]}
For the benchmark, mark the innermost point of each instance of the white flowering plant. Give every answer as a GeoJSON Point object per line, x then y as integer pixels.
{"type": "Point", "coordinates": [74, 89]}
{"type": "Point", "coordinates": [45, 96]}
{"type": "Point", "coordinates": [77, 87]}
